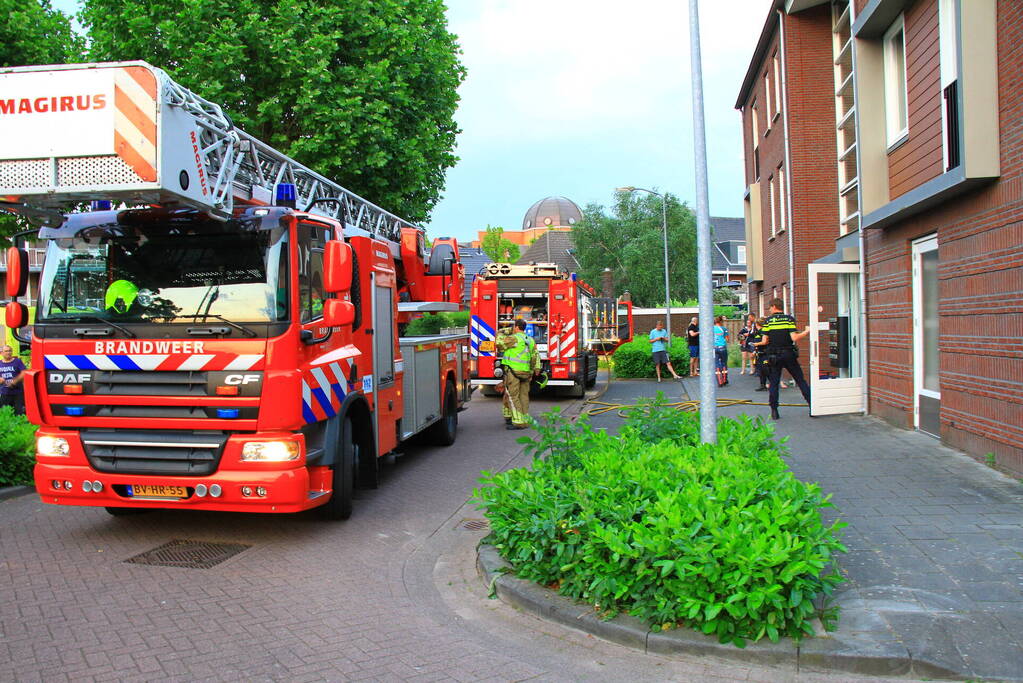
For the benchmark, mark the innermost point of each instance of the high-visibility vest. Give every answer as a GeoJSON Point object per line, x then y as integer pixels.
{"type": "Point", "coordinates": [517, 357]}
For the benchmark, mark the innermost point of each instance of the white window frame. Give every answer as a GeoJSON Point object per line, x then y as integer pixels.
{"type": "Point", "coordinates": [785, 297]}
{"type": "Point", "coordinates": [777, 83]}
{"type": "Point", "coordinates": [783, 222]}
{"type": "Point", "coordinates": [769, 96]}
{"type": "Point", "coordinates": [772, 204]}
{"type": "Point", "coordinates": [740, 254]}
{"type": "Point", "coordinates": [760, 298]}
{"type": "Point", "coordinates": [896, 122]}
{"type": "Point", "coordinates": [948, 51]}
{"type": "Point", "coordinates": [756, 124]}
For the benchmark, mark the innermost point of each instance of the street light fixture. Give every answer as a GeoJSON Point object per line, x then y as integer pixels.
{"type": "Point", "coordinates": [664, 226]}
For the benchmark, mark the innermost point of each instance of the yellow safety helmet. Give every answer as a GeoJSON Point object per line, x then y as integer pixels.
{"type": "Point", "coordinates": [121, 294]}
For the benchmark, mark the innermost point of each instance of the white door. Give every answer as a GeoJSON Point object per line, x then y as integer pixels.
{"type": "Point", "coordinates": [836, 340]}
{"type": "Point", "coordinates": [926, 389]}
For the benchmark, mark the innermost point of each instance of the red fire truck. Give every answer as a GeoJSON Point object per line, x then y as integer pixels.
{"type": "Point", "coordinates": [570, 323]}
{"type": "Point", "coordinates": [233, 343]}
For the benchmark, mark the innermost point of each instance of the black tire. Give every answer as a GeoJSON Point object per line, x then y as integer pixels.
{"type": "Point", "coordinates": [444, 431]}
{"type": "Point", "coordinates": [343, 479]}
{"type": "Point", "coordinates": [578, 390]}
{"type": "Point", "coordinates": [126, 512]}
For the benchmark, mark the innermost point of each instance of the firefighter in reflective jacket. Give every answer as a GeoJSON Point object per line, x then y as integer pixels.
{"type": "Point", "coordinates": [521, 362]}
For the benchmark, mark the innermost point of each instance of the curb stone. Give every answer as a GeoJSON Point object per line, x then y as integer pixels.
{"type": "Point", "coordinates": [15, 491]}
{"type": "Point", "coordinates": [829, 653]}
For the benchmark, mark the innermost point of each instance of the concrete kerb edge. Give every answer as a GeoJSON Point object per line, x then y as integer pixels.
{"type": "Point", "coordinates": [824, 653]}
{"type": "Point", "coordinates": [8, 492]}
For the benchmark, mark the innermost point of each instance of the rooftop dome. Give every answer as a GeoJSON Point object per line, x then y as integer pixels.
{"type": "Point", "coordinates": [552, 212]}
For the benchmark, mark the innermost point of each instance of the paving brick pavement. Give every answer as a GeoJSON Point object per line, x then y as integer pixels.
{"type": "Point", "coordinates": [935, 561]}
{"type": "Point", "coordinates": [389, 595]}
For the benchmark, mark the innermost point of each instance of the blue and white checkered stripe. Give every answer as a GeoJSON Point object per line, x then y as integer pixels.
{"type": "Point", "coordinates": [479, 331]}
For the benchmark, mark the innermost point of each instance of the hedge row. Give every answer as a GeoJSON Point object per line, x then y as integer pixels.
{"type": "Point", "coordinates": [17, 448]}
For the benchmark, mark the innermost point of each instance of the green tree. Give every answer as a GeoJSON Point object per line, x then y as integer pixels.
{"type": "Point", "coordinates": [32, 32]}
{"type": "Point", "coordinates": [362, 91]}
{"type": "Point", "coordinates": [630, 241]}
{"type": "Point", "coordinates": [498, 247]}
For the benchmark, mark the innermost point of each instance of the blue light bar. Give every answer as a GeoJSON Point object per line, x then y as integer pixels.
{"type": "Point", "coordinates": [574, 277]}
{"type": "Point", "coordinates": [228, 413]}
{"type": "Point", "coordinates": [100, 204]}
{"type": "Point", "coordinates": [74, 411]}
{"type": "Point", "coordinates": [286, 195]}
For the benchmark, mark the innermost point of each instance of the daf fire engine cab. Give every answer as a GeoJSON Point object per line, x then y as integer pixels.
{"type": "Point", "coordinates": [231, 344]}
{"type": "Point", "coordinates": [569, 322]}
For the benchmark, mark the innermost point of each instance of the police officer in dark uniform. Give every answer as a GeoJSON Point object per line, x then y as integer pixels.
{"type": "Point", "coordinates": [780, 338]}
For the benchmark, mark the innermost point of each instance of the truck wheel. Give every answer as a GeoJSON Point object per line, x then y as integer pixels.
{"type": "Point", "coordinates": [443, 432]}
{"type": "Point", "coordinates": [343, 479]}
{"type": "Point", "coordinates": [126, 512]}
{"type": "Point", "coordinates": [578, 389]}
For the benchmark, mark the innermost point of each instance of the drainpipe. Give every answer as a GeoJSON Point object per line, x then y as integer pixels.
{"type": "Point", "coordinates": [788, 158]}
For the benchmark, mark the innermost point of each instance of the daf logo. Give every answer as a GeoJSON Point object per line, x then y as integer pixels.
{"type": "Point", "coordinates": [241, 379]}
{"type": "Point", "coordinates": [70, 378]}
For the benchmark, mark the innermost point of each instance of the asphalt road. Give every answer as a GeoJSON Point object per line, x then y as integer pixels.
{"type": "Point", "coordinates": [391, 594]}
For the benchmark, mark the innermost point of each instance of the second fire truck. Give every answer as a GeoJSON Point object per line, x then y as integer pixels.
{"type": "Point", "coordinates": [569, 322]}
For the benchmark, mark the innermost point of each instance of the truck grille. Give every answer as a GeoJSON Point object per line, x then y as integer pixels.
{"type": "Point", "coordinates": [128, 383]}
{"type": "Point", "coordinates": [174, 453]}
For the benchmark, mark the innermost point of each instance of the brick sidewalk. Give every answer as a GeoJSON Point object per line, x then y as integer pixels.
{"type": "Point", "coordinates": [935, 561]}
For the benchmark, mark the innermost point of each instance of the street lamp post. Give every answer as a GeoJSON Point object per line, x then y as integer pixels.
{"type": "Point", "coordinates": [664, 226]}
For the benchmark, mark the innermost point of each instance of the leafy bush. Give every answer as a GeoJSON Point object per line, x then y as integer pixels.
{"type": "Point", "coordinates": [635, 359]}
{"type": "Point", "coordinates": [17, 448]}
{"type": "Point", "coordinates": [432, 323]}
{"type": "Point", "coordinates": [719, 537]}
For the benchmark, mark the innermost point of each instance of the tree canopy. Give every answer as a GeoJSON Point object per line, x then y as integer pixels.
{"type": "Point", "coordinates": [630, 241]}
{"type": "Point", "coordinates": [32, 32]}
{"type": "Point", "coordinates": [498, 247]}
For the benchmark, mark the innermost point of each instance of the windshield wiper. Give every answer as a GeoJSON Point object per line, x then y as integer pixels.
{"type": "Point", "coordinates": [120, 328]}
{"type": "Point", "coordinates": [241, 328]}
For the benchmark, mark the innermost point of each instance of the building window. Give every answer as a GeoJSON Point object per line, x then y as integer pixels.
{"type": "Point", "coordinates": [785, 297]}
{"type": "Point", "coordinates": [740, 254]}
{"type": "Point", "coordinates": [949, 57]}
{"type": "Point", "coordinates": [755, 130]}
{"type": "Point", "coordinates": [760, 299]}
{"type": "Point", "coordinates": [776, 63]}
{"type": "Point", "coordinates": [895, 97]}
{"type": "Point", "coordinates": [772, 204]}
{"type": "Point", "coordinates": [783, 217]}
{"type": "Point", "coordinates": [769, 96]}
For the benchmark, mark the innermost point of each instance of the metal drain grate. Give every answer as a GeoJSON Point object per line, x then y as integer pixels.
{"type": "Point", "coordinates": [475, 524]}
{"type": "Point", "coordinates": [188, 554]}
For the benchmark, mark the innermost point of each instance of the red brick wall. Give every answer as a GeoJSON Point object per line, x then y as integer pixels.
{"type": "Point", "coordinates": [980, 271]}
{"type": "Point", "coordinates": [920, 158]}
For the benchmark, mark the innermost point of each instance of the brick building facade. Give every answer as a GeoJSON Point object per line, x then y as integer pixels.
{"type": "Point", "coordinates": [924, 189]}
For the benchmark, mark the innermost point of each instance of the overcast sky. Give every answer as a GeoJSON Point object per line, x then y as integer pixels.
{"type": "Point", "coordinates": [577, 97]}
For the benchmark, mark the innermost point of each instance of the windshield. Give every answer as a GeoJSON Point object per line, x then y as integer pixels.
{"type": "Point", "coordinates": [166, 276]}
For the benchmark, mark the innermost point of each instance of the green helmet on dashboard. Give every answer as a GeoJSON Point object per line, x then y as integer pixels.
{"type": "Point", "coordinates": [121, 294]}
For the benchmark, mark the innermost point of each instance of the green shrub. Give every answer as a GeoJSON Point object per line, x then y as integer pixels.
{"type": "Point", "coordinates": [719, 537]}
{"type": "Point", "coordinates": [635, 359]}
{"type": "Point", "coordinates": [17, 448]}
{"type": "Point", "coordinates": [432, 323]}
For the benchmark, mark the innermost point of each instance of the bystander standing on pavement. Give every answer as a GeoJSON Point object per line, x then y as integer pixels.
{"type": "Point", "coordinates": [746, 345]}
{"type": "Point", "coordinates": [659, 343]}
{"type": "Point", "coordinates": [12, 372]}
{"type": "Point", "coordinates": [721, 350]}
{"type": "Point", "coordinates": [693, 339]}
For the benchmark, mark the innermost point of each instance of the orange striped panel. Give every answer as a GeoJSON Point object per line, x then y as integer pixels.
{"type": "Point", "coordinates": [135, 135]}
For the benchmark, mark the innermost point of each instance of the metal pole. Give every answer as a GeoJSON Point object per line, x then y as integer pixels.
{"type": "Point", "coordinates": [667, 290]}
{"type": "Point", "coordinates": [708, 388]}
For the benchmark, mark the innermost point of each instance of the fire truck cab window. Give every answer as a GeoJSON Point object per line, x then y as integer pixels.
{"type": "Point", "coordinates": [312, 239]}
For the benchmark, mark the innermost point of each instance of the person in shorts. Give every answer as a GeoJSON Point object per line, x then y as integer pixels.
{"type": "Point", "coordinates": [12, 372]}
{"type": "Point", "coordinates": [693, 339]}
{"type": "Point", "coordinates": [659, 344]}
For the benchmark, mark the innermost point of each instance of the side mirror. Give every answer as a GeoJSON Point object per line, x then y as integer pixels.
{"type": "Point", "coordinates": [17, 272]}
{"type": "Point", "coordinates": [337, 267]}
{"type": "Point", "coordinates": [16, 315]}
{"type": "Point", "coordinates": [338, 313]}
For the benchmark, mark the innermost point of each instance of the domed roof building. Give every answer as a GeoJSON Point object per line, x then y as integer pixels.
{"type": "Point", "coordinates": [552, 212]}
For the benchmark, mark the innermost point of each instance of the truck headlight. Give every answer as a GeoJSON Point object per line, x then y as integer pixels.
{"type": "Point", "coordinates": [52, 447]}
{"type": "Point", "coordinates": [270, 451]}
